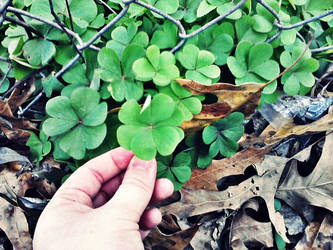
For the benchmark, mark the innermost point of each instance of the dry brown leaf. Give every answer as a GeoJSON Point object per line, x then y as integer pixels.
{"type": "Point", "coordinates": [15, 225]}
{"type": "Point", "coordinates": [179, 240]}
{"type": "Point", "coordinates": [21, 94]}
{"type": "Point", "coordinates": [315, 189]}
{"type": "Point", "coordinates": [323, 124]}
{"type": "Point", "coordinates": [243, 98]}
{"type": "Point", "coordinates": [206, 179]}
{"type": "Point", "coordinates": [195, 202]}
{"type": "Point", "coordinates": [245, 230]}
{"type": "Point", "coordinates": [309, 236]}
{"type": "Point", "coordinates": [324, 237]}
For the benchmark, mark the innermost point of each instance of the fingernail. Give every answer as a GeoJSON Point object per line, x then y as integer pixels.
{"type": "Point", "coordinates": [138, 163]}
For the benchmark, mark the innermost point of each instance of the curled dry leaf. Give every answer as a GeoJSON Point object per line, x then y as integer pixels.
{"type": "Point", "coordinates": [206, 179]}
{"type": "Point", "coordinates": [246, 231]}
{"type": "Point", "coordinates": [316, 188]}
{"type": "Point", "coordinates": [15, 128]}
{"type": "Point", "coordinates": [324, 237]}
{"type": "Point", "coordinates": [14, 224]}
{"type": "Point", "coordinates": [323, 124]}
{"type": "Point", "coordinates": [179, 240]}
{"type": "Point", "coordinates": [195, 202]}
{"type": "Point", "coordinates": [243, 98]}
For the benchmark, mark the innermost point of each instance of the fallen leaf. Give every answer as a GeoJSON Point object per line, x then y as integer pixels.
{"type": "Point", "coordinates": [206, 179]}
{"type": "Point", "coordinates": [306, 243]}
{"type": "Point", "coordinates": [243, 98]}
{"type": "Point", "coordinates": [290, 129]}
{"type": "Point", "coordinates": [324, 237]}
{"type": "Point", "coordinates": [179, 240]}
{"type": "Point", "coordinates": [246, 232]}
{"type": "Point", "coordinates": [8, 155]}
{"type": "Point", "coordinates": [21, 94]}
{"type": "Point", "coordinates": [15, 225]}
{"type": "Point", "coordinates": [316, 188]}
{"type": "Point", "coordinates": [195, 202]}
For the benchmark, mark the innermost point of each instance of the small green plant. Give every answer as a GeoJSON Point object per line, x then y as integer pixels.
{"type": "Point", "coordinates": [224, 134]}
{"type": "Point", "coordinates": [151, 130]}
{"type": "Point", "coordinates": [177, 169]}
{"type": "Point", "coordinates": [77, 120]}
{"type": "Point", "coordinates": [39, 147]}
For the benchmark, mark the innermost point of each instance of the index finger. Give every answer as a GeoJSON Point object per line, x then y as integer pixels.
{"type": "Point", "coordinates": [85, 182]}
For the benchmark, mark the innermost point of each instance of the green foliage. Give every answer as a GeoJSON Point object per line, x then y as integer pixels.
{"type": "Point", "coordinates": [198, 64]}
{"type": "Point", "coordinates": [134, 60]}
{"type": "Point", "coordinates": [151, 130]}
{"type": "Point", "coordinates": [177, 169]}
{"type": "Point", "coordinates": [224, 134]}
{"type": "Point", "coordinates": [78, 121]}
{"type": "Point", "coordinates": [300, 79]}
{"type": "Point", "coordinates": [39, 147]}
{"type": "Point", "coordinates": [156, 66]}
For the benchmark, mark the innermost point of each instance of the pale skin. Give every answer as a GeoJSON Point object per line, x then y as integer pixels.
{"type": "Point", "coordinates": [103, 205]}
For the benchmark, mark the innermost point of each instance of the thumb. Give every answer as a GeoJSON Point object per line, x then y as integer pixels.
{"type": "Point", "coordinates": [135, 192]}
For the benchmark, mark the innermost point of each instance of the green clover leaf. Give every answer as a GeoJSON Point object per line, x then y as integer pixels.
{"type": "Point", "coordinates": [151, 130]}
{"type": "Point", "coordinates": [199, 64]}
{"type": "Point", "coordinates": [198, 151]}
{"type": "Point", "coordinates": [39, 147]}
{"type": "Point", "coordinates": [186, 103]}
{"type": "Point", "coordinates": [299, 79]}
{"type": "Point", "coordinates": [122, 37]}
{"type": "Point", "coordinates": [206, 6]}
{"type": "Point", "coordinates": [120, 74]}
{"type": "Point", "coordinates": [187, 10]}
{"type": "Point", "coordinates": [169, 31]}
{"type": "Point", "coordinates": [222, 136]}
{"type": "Point", "coordinates": [217, 39]}
{"type": "Point", "coordinates": [264, 19]}
{"type": "Point", "coordinates": [250, 64]}
{"type": "Point", "coordinates": [78, 121]}
{"type": "Point", "coordinates": [156, 66]}
{"type": "Point", "coordinates": [38, 52]}
{"type": "Point", "coordinates": [177, 170]}
{"type": "Point", "coordinates": [245, 31]}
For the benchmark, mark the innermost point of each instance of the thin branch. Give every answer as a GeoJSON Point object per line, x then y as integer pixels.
{"type": "Point", "coordinates": [6, 75]}
{"type": "Point", "coordinates": [24, 25]}
{"type": "Point", "coordinates": [64, 28]}
{"type": "Point", "coordinates": [69, 15]}
{"type": "Point", "coordinates": [322, 49]}
{"type": "Point", "coordinates": [36, 99]}
{"type": "Point", "coordinates": [106, 6]}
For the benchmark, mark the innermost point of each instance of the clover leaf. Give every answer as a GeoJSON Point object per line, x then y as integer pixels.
{"type": "Point", "coordinates": [156, 66]}
{"type": "Point", "coordinates": [299, 79]}
{"type": "Point", "coordinates": [206, 6]}
{"type": "Point", "coordinates": [199, 64]}
{"type": "Point", "coordinates": [198, 151]}
{"type": "Point", "coordinates": [150, 130]}
{"type": "Point", "coordinates": [177, 169]}
{"type": "Point", "coordinates": [245, 31]}
{"type": "Point", "coordinates": [39, 147]}
{"type": "Point", "coordinates": [120, 74]}
{"type": "Point", "coordinates": [122, 37]}
{"type": "Point", "coordinates": [218, 40]}
{"type": "Point", "coordinates": [264, 19]}
{"type": "Point", "coordinates": [38, 52]}
{"type": "Point", "coordinates": [187, 10]}
{"type": "Point", "coordinates": [78, 121]}
{"type": "Point", "coordinates": [251, 62]}
{"type": "Point", "coordinates": [169, 31]}
{"type": "Point", "coordinates": [186, 103]}
{"type": "Point", "coordinates": [224, 134]}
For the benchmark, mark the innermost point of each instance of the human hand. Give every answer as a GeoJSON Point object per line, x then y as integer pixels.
{"type": "Point", "coordinates": [103, 205]}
